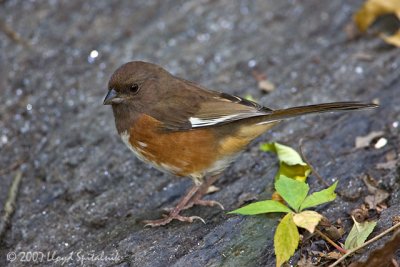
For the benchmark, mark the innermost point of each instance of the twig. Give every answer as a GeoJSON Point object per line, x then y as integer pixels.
{"type": "Point", "coordinates": [12, 167]}
{"type": "Point", "coordinates": [9, 206]}
{"type": "Point", "coordinates": [13, 35]}
{"type": "Point", "coordinates": [330, 241]}
{"type": "Point", "coordinates": [309, 164]}
{"type": "Point", "coordinates": [394, 227]}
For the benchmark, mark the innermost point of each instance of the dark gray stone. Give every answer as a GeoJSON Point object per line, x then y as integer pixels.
{"type": "Point", "coordinates": [83, 191]}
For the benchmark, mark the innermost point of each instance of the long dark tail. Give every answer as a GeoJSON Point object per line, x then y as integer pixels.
{"type": "Point", "coordinates": [282, 114]}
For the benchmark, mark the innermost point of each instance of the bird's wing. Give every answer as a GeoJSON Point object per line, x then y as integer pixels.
{"type": "Point", "coordinates": [196, 107]}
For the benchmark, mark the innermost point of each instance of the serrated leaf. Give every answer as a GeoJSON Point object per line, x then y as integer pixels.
{"type": "Point", "coordinates": [286, 239]}
{"type": "Point", "coordinates": [290, 163]}
{"type": "Point", "coordinates": [266, 206]}
{"type": "Point", "coordinates": [292, 191]}
{"type": "Point", "coordinates": [359, 233]}
{"type": "Point", "coordinates": [318, 198]}
{"type": "Point", "coordinates": [307, 219]}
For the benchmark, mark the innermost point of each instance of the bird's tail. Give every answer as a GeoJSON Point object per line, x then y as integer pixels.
{"type": "Point", "coordinates": [282, 114]}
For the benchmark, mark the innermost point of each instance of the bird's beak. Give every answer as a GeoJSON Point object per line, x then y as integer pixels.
{"type": "Point", "coordinates": [111, 97]}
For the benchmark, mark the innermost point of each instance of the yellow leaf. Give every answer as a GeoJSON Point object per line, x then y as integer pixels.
{"type": "Point", "coordinates": [393, 39]}
{"type": "Point", "coordinates": [372, 9]}
{"type": "Point", "coordinates": [291, 163]}
{"type": "Point", "coordinates": [307, 219]}
{"type": "Point", "coordinates": [286, 239]}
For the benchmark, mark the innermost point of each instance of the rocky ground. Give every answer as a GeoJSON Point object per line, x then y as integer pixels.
{"type": "Point", "coordinates": [83, 191]}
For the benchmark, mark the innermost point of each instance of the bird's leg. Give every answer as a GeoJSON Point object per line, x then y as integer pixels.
{"type": "Point", "coordinates": [174, 214]}
{"type": "Point", "coordinates": [196, 199]}
{"type": "Point", "coordinates": [192, 197]}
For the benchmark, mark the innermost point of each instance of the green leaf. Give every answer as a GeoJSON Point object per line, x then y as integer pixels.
{"type": "Point", "coordinates": [307, 219]}
{"type": "Point", "coordinates": [292, 191]}
{"type": "Point", "coordinates": [290, 163]}
{"type": "Point", "coordinates": [359, 233]}
{"type": "Point", "coordinates": [318, 198]}
{"type": "Point", "coordinates": [286, 239]}
{"type": "Point", "coordinates": [265, 206]}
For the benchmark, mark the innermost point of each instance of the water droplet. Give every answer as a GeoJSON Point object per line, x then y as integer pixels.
{"type": "Point", "coordinates": [203, 37]}
{"type": "Point", "coordinates": [359, 70]}
{"type": "Point", "coordinates": [92, 56]}
{"type": "Point", "coordinates": [252, 63]}
{"type": "Point", "coordinates": [395, 124]}
{"type": "Point", "coordinates": [29, 107]}
{"type": "Point", "coordinates": [171, 42]}
{"type": "Point", "coordinates": [4, 139]}
{"type": "Point", "coordinates": [19, 91]}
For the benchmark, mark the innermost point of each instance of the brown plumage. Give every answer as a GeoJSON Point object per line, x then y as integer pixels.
{"type": "Point", "coordinates": [184, 129]}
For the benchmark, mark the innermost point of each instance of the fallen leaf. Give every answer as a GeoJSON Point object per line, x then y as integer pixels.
{"type": "Point", "coordinates": [290, 163]}
{"type": "Point", "coordinates": [307, 219]}
{"type": "Point", "coordinates": [365, 141]}
{"type": "Point", "coordinates": [359, 233]}
{"type": "Point", "coordinates": [392, 39]}
{"type": "Point", "coordinates": [363, 56]}
{"type": "Point", "coordinates": [389, 165]}
{"type": "Point", "coordinates": [395, 219]}
{"type": "Point", "coordinates": [391, 155]}
{"type": "Point", "coordinates": [333, 255]}
{"type": "Point", "coordinates": [263, 83]}
{"type": "Point", "coordinates": [334, 232]}
{"type": "Point", "coordinates": [360, 214]}
{"type": "Point", "coordinates": [372, 9]}
{"type": "Point", "coordinates": [381, 256]}
{"type": "Point", "coordinates": [286, 239]}
{"type": "Point", "coordinates": [266, 86]}
{"type": "Point", "coordinates": [378, 195]}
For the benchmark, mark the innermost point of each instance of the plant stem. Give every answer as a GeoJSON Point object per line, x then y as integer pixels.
{"type": "Point", "coordinates": [330, 241]}
{"type": "Point", "coordinates": [394, 227]}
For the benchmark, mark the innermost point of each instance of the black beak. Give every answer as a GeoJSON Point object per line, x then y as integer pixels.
{"type": "Point", "coordinates": [111, 95]}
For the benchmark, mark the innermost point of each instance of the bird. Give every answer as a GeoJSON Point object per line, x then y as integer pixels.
{"type": "Point", "coordinates": [185, 129]}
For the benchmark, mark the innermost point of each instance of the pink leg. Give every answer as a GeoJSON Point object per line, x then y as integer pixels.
{"type": "Point", "coordinates": [192, 197]}
{"type": "Point", "coordinates": [196, 199]}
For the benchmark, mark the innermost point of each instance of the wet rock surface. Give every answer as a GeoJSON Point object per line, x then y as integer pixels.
{"type": "Point", "coordinates": [83, 191]}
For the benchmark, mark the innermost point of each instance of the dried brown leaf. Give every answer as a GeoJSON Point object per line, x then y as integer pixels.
{"type": "Point", "coordinates": [377, 196]}
{"type": "Point", "coordinates": [365, 141]}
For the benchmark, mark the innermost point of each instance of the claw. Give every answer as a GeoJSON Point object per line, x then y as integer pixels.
{"type": "Point", "coordinates": [209, 203]}
{"type": "Point", "coordinates": [189, 219]}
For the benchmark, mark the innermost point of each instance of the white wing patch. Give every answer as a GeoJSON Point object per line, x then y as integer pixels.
{"type": "Point", "coordinates": [197, 122]}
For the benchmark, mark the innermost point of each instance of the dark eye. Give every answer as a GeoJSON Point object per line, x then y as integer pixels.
{"type": "Point", "coordinates": [134, 88]}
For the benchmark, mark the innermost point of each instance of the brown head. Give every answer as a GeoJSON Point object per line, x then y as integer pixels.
{"type": "Point", "coordinates": [133, 88]}
{"type": "Point", "coordinates": [131, 82]}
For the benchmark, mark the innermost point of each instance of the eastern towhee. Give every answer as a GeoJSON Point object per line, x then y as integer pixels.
{"type": "Point", "coordinates": [185, 129]}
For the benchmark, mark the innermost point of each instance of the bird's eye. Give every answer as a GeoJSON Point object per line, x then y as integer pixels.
{"type": "Point", "coordinates": [134, 88]}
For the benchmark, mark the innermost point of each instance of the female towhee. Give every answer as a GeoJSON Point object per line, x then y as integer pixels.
{"type": "Point", "coordinates": [185, 129]}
